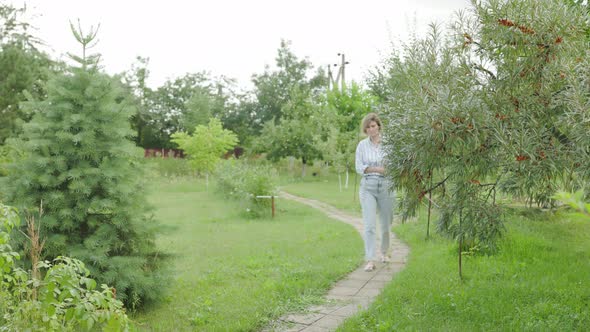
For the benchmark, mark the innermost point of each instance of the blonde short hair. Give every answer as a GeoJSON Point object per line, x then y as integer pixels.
{"type": "Point", "coordinates": [371, 117]}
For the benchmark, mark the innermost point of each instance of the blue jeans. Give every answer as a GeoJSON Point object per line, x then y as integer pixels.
{"type": "Point", "coordinates": [375, 196]}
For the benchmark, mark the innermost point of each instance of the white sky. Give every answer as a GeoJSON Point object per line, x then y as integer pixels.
{"type": "Point", "coordinates": [235, 38]}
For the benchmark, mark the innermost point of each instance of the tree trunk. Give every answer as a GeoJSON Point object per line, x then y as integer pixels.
{"type": "Point", "coordinates": [346, 183]}
{"type": "Point", "coordinates": [303, 163]}
{"type": "Point", "coordinates": [460, 244]}
{"type": "Point", "coordinates": [429, 206]}
{"type": "Point", "coordinates": [429, 209]}
{"type": "Point", "coordinates": [340, 181]}
{"type": "Point", "coordinates": [460, 262]}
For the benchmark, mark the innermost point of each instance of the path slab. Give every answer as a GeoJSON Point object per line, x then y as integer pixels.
{"type": "Point", "coordinates": [305, 319]}
{"type": "Point", "coordinates": [346, 311]}
{"type": "Point", "coordinates": [314, 328]}
{"type": "Point", "coordinates": [343, 291]}
{"type": "Point", "coordinates": [352, 283]}
{"type": "Point", "coordinates": [376, 284]}
{"type": "Point", "coordinates": [330, 322]}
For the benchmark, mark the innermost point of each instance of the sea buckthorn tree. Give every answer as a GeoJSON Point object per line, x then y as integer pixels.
{"type": "Point", "coordinates": [498, 104]}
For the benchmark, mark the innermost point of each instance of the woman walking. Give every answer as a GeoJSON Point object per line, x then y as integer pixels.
{"type": "Point", "coordinates": [375, 195]}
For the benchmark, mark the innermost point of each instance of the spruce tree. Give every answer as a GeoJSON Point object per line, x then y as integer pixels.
{"type": "Point", "coordinates": [82, 167]}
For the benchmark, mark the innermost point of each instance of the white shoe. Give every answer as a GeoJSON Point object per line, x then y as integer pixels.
{"type": "Point", "coordinates": [385, 259]}
{"type": "Point", "coordinates": [370, 266]}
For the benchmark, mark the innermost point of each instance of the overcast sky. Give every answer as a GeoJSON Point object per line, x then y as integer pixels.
{"type": "Point", "coordinates": [235, 38]}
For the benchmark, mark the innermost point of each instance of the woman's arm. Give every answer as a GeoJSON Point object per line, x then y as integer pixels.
{"type": "Point", "coordinates": [359, 165]}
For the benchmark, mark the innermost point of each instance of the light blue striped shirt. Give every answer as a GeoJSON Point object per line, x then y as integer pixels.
{"type": "Point", "coordinates": [368, 155]}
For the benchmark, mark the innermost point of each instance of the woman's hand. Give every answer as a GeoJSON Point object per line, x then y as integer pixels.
{"type": "Point", "coordinates": [375, 169]}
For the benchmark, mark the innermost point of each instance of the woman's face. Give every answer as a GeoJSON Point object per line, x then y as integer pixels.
{"type": "Point", "coordinates": [372, 129]}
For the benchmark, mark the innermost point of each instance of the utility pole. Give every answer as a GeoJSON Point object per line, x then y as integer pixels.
{"type": "Point", "coordinates": [333, 85]}
{"type": "Point", "coordinates": [342, 67]}
{"type": "Point", "coordinates": [340, 77]}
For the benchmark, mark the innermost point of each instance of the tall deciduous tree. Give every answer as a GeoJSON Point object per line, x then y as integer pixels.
{"type": "Point", "coordinates": [273, 88]}
{"type": "Point", "coordinates": [81, 165]}
{"type": "Point", "coordinates": [180, 105]}
{"type": "Point", "coordinates": [23, 69]}
{"type": "Point", "coordinates": [239, 116]}
{"type": "Point", "coordinates": [168, 105]}
{"type": "Point", "coordinates": [135, 81]}
{"type": "Point", "coordinates": [297, 134]}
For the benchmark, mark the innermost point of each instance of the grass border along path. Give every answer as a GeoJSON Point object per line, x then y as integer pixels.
{"type": "Point", "coordinates": [351, 294]}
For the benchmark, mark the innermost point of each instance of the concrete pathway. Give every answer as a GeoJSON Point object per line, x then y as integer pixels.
{"type": "Point", "coordinates": [350, 295]}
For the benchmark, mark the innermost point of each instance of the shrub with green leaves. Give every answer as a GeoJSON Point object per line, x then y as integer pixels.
{"type": "Point", "coordinates": [3, 160]}
{"type": "Point", "coordinates": [244, 182]}
{"type": "Point", "coordinates": [574, 200]}
{"type": "Point", "coordinates": [66, 299]}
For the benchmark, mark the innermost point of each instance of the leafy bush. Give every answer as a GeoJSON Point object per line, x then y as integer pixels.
{"type": "Point", "coordinates": [244, 182]}
{"type": "Point", "coordinates": [3, 160]}
{"type": "Point", "coordinates": [574, 200]}
{"type": "Point", "coordinates": [66, 299]}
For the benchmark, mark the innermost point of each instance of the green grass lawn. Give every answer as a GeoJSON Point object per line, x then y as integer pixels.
{"type": "Point", "coordinates": [232, 273]}
{"type": "Point", "coordinates": [325, 188]}
{"type": "Point", "coordinates": [538, 281]}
